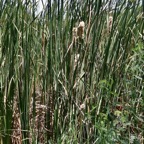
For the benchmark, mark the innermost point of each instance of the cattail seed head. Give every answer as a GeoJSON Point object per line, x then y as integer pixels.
{"type": "Point", "coordinates": [74, 31]}
{"type": "Point", "coordinates": [81, 24]}
{"type": "Point", "coordinates": [82, 106]}
{"type": "Point", "coordinates": [110, 22]}
{"type": "Point", "coordinates": [80, 31]}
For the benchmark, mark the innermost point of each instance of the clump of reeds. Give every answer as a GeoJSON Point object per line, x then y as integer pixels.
{"type": "Point", "coordinates": [61, 83]}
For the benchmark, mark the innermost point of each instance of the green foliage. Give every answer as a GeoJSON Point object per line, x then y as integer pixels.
{"type": "Point", "coordinates": [59, 88]}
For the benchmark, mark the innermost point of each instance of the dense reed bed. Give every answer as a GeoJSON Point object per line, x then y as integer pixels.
{"type": "Point", "coordinates": [73, 73]}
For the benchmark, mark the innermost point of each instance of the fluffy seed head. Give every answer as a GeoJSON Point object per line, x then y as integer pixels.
{"type": "Point", "coordinates": [81, 24]}
{"type": "Point", "coordinates": [80, 32]}
{"type": "Point", "coordinates": [82, 106]}
{"type": "Point", "coordinates": [74, 31]}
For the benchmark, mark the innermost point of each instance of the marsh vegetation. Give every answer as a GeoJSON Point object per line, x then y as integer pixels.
{"type": "Point", "coordinates": [73, 73]}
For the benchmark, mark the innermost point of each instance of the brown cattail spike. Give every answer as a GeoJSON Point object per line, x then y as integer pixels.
{"type": "Point", "coordinates": [74, 31]}
{"type": "Point", "coordinates": [80, 31]}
